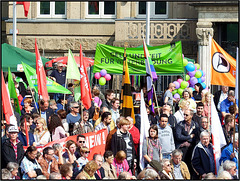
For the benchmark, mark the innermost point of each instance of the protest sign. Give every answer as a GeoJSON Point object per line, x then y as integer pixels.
{"type": "Point", "coordinates": [95, 141]}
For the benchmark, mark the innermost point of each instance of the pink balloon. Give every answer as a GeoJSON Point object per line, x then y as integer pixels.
{"type": "Point", "coordinates": [97, 75]}
{"type": "Point", "coordinates": [108, 77]}
{"type": "Point", "coordinates": [195, 67]}
{"type": "Point", "coordinates": [182, 56]}
{"type": "Point", "coordinates": [179, 80]}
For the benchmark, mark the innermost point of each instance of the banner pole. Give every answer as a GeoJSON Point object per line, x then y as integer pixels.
{"type": "Point", "coordinates": [234, 130]}
{"type": "Point", "coordinates": [34, 101]}
{"type": "Point", "coordinates": [64, 97]}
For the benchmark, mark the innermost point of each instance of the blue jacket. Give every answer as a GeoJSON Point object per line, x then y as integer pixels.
{"type": "Point", "coordinates": [201, 161]}
{"type": "Point", "coordinates": [23, 139]}
{"type": "Point", "coordinates": [226, 155]}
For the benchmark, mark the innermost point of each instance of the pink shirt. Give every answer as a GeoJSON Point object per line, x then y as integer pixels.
{"type": "Point", "coordinates": [58, 133]}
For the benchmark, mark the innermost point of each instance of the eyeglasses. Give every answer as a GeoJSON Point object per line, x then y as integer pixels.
{"type": "Point", "coordinates": [76, 107]}
{"type": "Point", "coordinates": [81, 142]}
{"type": "Point", "coordinates": [51, 154]}
{"type": "Point", "coordinates": [186, 114]}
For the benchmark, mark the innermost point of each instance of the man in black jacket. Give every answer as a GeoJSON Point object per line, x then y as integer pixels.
{"type": "Point", "coordinates": [12, 149]}
{"type": "Point", "coordinates": [122, 140]}
{"type": "Point", "coordinates": [45, 110]}
{"type": "Point", "coordinates": [203, 157]}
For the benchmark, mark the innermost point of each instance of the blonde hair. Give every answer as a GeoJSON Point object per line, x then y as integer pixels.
{"type": "Point", "coordinates": [184, 103]}
{"type": "Point", "coordinates": [204, 97]}
{"type": "Point", "coordinates": [41, 120]}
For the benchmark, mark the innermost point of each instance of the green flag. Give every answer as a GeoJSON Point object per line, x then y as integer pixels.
{"type": "Point", "coordinates": [52, 87]}
{"type": "Point", "coordinates": [19, 79]}
{"type": "Point", "coordinates": [12, 91]}
{"type": "Point", "coordinates": [72, 68]}
{"type": "Point", "coordinates": [167, 59]}
{"type": "Point", "coordinates": [73, 73]}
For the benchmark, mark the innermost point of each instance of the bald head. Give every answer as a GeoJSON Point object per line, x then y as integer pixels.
{"type": "Point", "coordinates": [171, 86]}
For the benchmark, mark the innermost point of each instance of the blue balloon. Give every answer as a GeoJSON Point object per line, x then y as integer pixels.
{"type": "Point", "coordinates": [190, 67]}
{"type": "Point", "coordinates": [192, 88]}
{"type": "Point", "coordinates": [199, 80]}
{"type": "Point", "coordinates": [203, 85]}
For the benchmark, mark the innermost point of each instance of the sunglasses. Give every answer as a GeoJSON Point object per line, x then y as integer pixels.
{"type": "Point", "coordinates": [168, 165]}
{"type": "Point", "coordinates": [186, 114]}
{"type": "Point", "coordinates": [76, 107]}
{"type": "Point", "coordinates": [81, 142]}
{"type": "Point", "coordinates": [86, 152]}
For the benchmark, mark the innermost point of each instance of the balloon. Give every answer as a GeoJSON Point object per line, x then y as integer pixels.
{"type": "Point", "coordinates": [97, 75]}
{"type": "Point", "coordinates": [198, 74]}
{"type": "Point", "coordinates": [102, 81]}
{"type": "Point", "coordinates": [199, 80]}
{"type": "Point", "coordinates": [203, 79]}
{"type": "Point", "coordinates": [185, 62]}
{"type": "Point", "coordinates": [193, 80]}
{"type": "Point", "coordinates": [108, 77]}
{"type": "Point", "coordinates": [180, 91]}
{"type": "Point", "coordinates": [192, 73]}
{"type": "Point", "coordinates": [192, 89]}
{"type": "Point", "coordinates": [203, 85]}
{"type": "Point", "coordinates": [176, 96]}
{"type": "Point", "coordinates": [184, 84]}
{"type": "Point", "coordinates": [187, 77]}
{"type": "Point", "coordinates": [182, 55]}
{"type": "Point", "coordinates": [177, 84]}
{"type": "Point", "coordinates": [197, 65]}
{"type": "Point", "coordinates": [190, 67]}
{"type": "Point", "coordinates": [103, 72]}
{"type": "Point", "coordinates": [179, 81]}
{"type": "Point", "coordinates": [203, 73]}
{"type": "Point", "coordinates": [174, 92]}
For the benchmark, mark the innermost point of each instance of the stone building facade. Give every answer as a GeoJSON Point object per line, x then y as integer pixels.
{"type": "Point", "coordinates": [59, 27]}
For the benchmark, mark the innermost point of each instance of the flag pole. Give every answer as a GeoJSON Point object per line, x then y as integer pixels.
{"type": "Point", "coordinates": [14, 24]}
{"type": "Point", "coordinates": [34, 100]}
{"type": "Point", "coordinates": [234, 130]}
{"type": "Point", "coordinates": [154, 89]}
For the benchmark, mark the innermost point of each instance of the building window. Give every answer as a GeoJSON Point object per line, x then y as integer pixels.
{"type": "Point", "coordinates": [96, 9]}
{"type": "Point", "coordinates": [158, 9]}
{"type": "Point", "coordinates": [48, 9]}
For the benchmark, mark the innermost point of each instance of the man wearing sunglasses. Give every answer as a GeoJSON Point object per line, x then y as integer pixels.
{"type": "Point", "coordinates": [185, 140]}
{"type": "Point", "coordinates": [81, 140]}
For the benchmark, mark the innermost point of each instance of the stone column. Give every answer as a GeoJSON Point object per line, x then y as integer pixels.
{"type": "Point", "coordinates": [204, 52]}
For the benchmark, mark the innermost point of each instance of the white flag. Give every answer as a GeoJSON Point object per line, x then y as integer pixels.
{"type": "Point", "coordinates": [144, 129]}
{"type": "Point", "coordinates": [236, 85]}
{"type": "Point", "coordinates": [218, 139]}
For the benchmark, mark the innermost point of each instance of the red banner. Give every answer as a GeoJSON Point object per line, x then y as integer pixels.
{"type": "Point", "coordinates": [95, 141]}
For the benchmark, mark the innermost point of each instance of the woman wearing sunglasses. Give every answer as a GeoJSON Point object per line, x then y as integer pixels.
{"type": "Point", "coordinates": [84, 151]}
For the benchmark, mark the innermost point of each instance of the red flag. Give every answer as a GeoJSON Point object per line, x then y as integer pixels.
{"type": "Point", "coordinates": [41, 75]}
{"type": "Point", "coordinates": [86, 96]}
{"type": "Point", "coordinates": [26, 131]}
{"type": "Point", "coordinates": [26, 6]}
{"type": "Point", "coordinates": [7, 107]}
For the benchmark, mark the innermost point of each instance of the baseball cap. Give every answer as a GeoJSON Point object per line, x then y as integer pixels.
{"type": "Point", "coordinates": [13, 129]}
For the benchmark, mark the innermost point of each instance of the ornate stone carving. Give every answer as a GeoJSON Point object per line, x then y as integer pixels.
{"type": "Point", "coordinates": [203, 31]}
{"type": "Point", "coordinates": [160, 30]}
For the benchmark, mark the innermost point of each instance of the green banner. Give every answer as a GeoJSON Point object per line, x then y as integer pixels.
{"type": "Point", "coordinates": [167, 59]}
{"type": "Point", "coordinates": [52, 87]}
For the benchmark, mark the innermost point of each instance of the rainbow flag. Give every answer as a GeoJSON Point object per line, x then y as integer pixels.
{"type": "Point", "coordinates": [150, 70]}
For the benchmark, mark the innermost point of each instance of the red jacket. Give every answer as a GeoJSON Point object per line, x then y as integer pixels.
{"type": "Point", "coordinates": [136, 136]}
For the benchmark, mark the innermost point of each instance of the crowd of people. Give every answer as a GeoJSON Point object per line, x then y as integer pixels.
{"type": "Point", "coordinates": [179, 144]}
